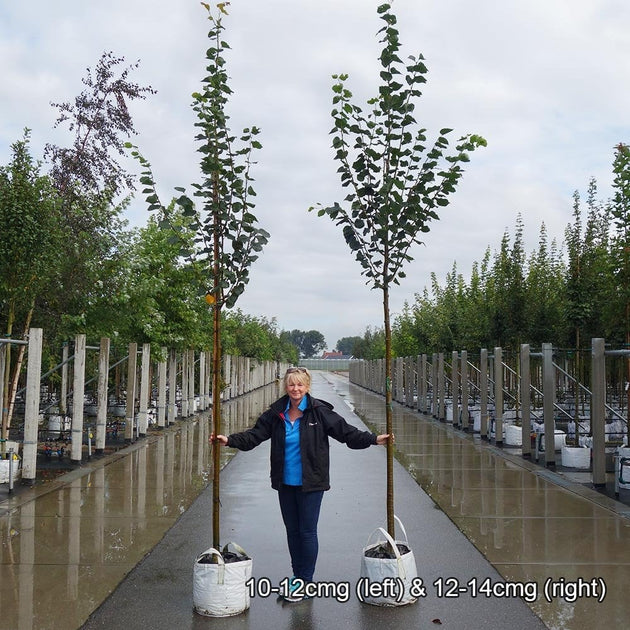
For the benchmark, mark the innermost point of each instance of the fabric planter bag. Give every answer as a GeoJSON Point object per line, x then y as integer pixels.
{"type": "Point", "coordinates": [513, 435]}
{"type": "Point", "coordinates": [400, 570]}
{"type": "Point", "coordinates": [219, 587]}
{"type": "Point", "coordinates": [576, 457]}
{"type": "Point", "coordinates": [13, 466]}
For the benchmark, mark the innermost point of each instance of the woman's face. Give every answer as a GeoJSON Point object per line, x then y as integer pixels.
{"type": "Point", "coordinates": [296, 389]}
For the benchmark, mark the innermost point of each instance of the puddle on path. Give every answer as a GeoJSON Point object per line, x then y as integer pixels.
{"type": "Point", "coordinates": [63, 552]}
{"type": "Point", "coordinates": [532, 530]}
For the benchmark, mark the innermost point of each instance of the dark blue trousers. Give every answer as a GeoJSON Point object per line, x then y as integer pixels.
{"type": "Point", "coordinates": [300, 513]}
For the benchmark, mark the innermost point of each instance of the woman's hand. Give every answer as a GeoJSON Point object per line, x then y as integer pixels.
{"type": "Point", "coordinates": [383, 438]}
{"type": "Point", "coordinates": [221, 439]}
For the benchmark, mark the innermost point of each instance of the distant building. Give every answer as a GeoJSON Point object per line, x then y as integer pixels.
{"type": "Point", "coordinates": [336, 355]}
{"type": "Point", "coordinates": [329, 361]}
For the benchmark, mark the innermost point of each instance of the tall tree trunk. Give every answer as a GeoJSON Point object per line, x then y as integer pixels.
{"type": "Point", "coordinates": [389, 413]}
{"type": "Point", "coordinates": [10, 382]}
{"type": "Point", "coordinates": [628, 374]}
{"type": "Point", "coordinates": [216, 366]}
{"type": "Point", "coordinates": [578, 380]}
{"type": "Point", "coordinates": [17, 369]}
{"type": "Point", "coordinates": [7, 371]}
{"type": "Point", "coordinates": [216, 424]}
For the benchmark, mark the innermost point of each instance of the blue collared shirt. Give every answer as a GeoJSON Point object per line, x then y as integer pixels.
{"type": "Point", "coordinates": [292, 455]}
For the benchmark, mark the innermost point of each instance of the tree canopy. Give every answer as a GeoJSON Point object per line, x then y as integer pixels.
{"type": "Point", "coordinates": [308, 342]}
{"type": "Point", "coordinates": [396, 181]}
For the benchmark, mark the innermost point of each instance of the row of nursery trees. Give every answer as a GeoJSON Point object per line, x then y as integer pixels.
{"type": "Point", "coordinates": [64, 263]}
{"type": "Point", "coordinates": [86, 274]}
{"type": "Point", "coordinates": [564, 293]}
{"type": "Point", "coordinates": [69, 263]}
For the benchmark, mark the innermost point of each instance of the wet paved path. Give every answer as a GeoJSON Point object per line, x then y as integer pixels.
{"type": "Point", "coordinates": [65, 545]}
{"type": "Point", "coordinates": [64, 552]}
{"type": "Point", "coordinates": [533, 525]}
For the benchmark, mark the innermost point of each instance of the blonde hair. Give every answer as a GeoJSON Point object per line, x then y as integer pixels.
{"type": "Point", "coordinates": [299, 374]}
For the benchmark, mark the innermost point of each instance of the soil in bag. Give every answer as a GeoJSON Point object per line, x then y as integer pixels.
{"type": "Point", "coordinates": [228, 557]}
{"type": "Point", "coordinates": [385, 552]}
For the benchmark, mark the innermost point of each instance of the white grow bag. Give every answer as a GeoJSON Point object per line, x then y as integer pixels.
{"type": "Point", "coordinates": [219, 590]}
{"type": "Point", "coordinates": [559, 440]}
{"type": "Point", "coordinates": [14, 466]}
{"type": "Point", "coordinates": [402, 569]}
{"type": "Point", "coordinates": [513, 435]}
{"type": "Point", "coordinates": [576, 457]}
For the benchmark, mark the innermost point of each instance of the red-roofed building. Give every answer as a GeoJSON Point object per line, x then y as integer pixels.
{"type": "Point", "coordinates": [335, 355]}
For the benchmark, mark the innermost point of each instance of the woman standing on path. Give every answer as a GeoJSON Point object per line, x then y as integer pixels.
{"type": "Point", "coordinates": [299, 427]}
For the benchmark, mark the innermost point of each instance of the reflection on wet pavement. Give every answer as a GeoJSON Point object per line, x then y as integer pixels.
{"type": "Point", "coordinates": [64, 548]}
{"type": "Point", "coordinates": [533, 526]}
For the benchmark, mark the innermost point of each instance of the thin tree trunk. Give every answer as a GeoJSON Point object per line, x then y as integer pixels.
{"type": "Point", "coordinates": [578, 380]}
{"type": "Point", "coordinates": [4, 412]}
{"type": "Point", "coordinates": [216, 425]}
{"type": "Point", "coordinates": [628, 373]}
{"type": "Point", "coordinates": [389, 413]}
{"type": "Point", "coordinates": [11, 380]}
{"type": "Point", "coordinates": [216, 370]}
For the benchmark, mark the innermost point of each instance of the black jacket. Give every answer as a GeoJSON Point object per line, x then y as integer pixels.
{"type": "Point", "coordinates": [319, 421]}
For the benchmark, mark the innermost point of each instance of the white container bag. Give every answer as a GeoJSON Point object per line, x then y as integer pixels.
{"type": "Point", "coordinates": [402, 568]}
{"type": "Point", "coordinates": [513, 435]}
{"type": "Point", "coordinates": [219, 589]}
{"type": "Point", "coordinates": [576, 457]}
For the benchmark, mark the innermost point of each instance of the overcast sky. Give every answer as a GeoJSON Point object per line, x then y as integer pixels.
{"type": "Point", "coordinates": [544, 81]}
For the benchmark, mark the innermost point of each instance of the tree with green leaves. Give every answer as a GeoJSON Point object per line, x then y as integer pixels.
{"type": "Point", "coordinates": [30, 246]}
{"type": "Point", "coordinates": [346, 344]}
{"type": "Point", "coordinates": [227, 240]}
{"type": "Point", "coordinates": [94, 187]}
{"type": "Point", "coordinates": [596, 262]}
{"type": "Point", "coordinates": [474, 316]}
{"type": "Point", "coordinates": [404, 339]}
{"type": "Point", "coordinates": [156, 305]}
{"type": "Point", "coordinates": [545, 295]}
{"type": "Point", "coordinates": [396, 180]}
{"type": "Point", "coordinates": [256, 337]}
{"type": "Point", "coordinates": [67, 223]}
{"type": "Point", "coordinates": [620, 245]}
{"type": "Point", "coordinates": [308, 342]}
{"type": "Point", "coordinates": [507, 289]}
{"type": "Point", "coordinates": [372, 344]}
